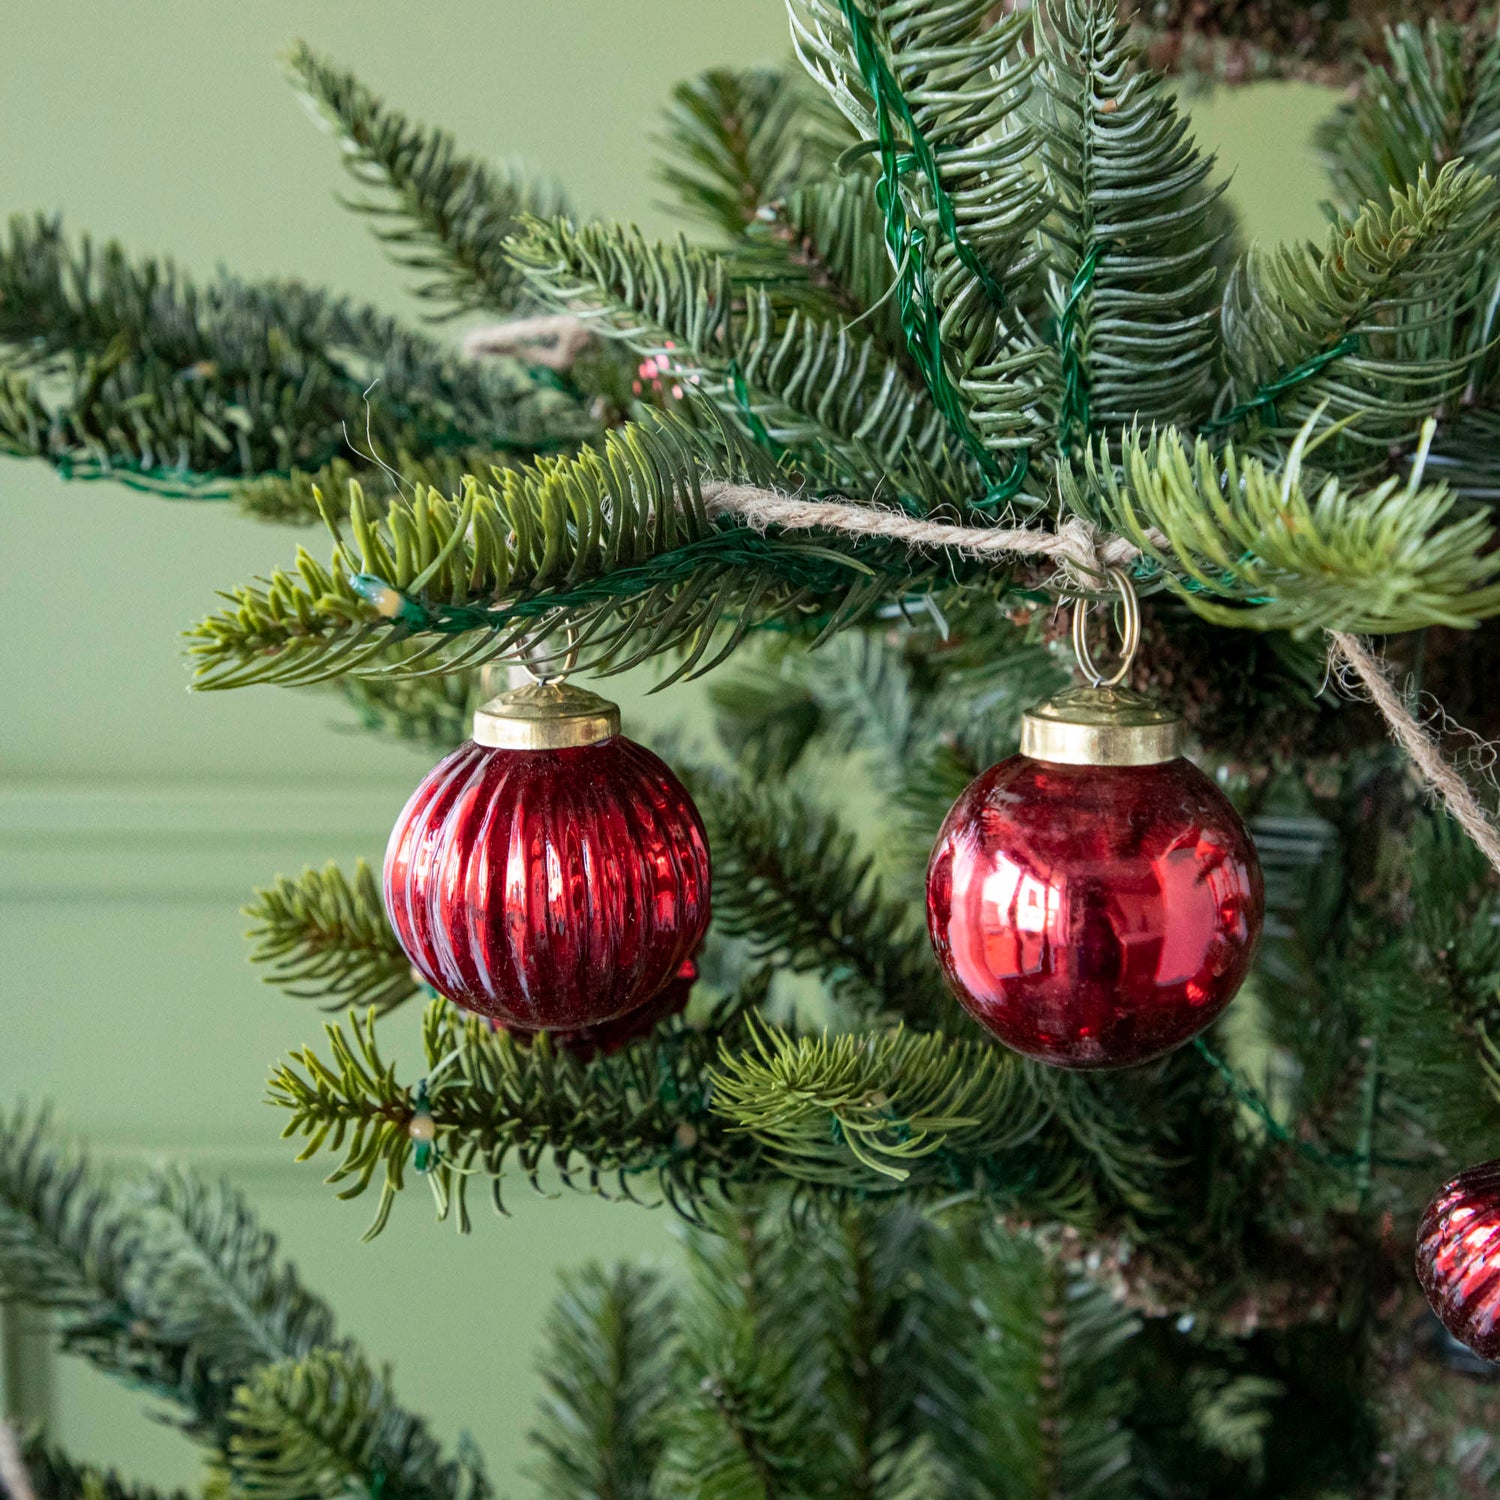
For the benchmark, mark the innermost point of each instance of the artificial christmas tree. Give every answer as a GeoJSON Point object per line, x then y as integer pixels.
{"type": "Point", "coordinates": [973, 335]}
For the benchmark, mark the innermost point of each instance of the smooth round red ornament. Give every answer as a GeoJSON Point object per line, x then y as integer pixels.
{"type": "Point", "coordinates": [549, 889]}
{"type": "Point", "coordinates": [1094, 916]}
{"type": "Point", "coordinates": [1458, 1258]}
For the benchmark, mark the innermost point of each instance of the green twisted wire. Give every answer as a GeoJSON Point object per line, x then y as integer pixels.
{"type": "Point", "coordinates": [1358, 1162]}
{"type": "Point", "coordinates": [1074, 411]}
{"type": "Point", "coordinates": [1266, 396]}
{"type": "Point", "coordinates": [905, 242]}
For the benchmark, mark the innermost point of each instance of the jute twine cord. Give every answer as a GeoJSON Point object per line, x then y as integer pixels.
{"type": "Point", "coordinates": [1074, 545]}
{"type": "Point", "coordinates": [553, 340]}
{"type": "Point", "coordinates": [1084, 559]}
{"type": "Point", "coordinates": [1418, 743]}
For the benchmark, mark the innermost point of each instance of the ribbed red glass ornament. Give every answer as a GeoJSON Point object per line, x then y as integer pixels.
{"type": "Point", "coordinates": [549, 889]}
{"type": "Point", "coordinates": [1094, 916]}
{"type": "Point", "coordinates": [610, 1036]}
{"type": "Point", "coordinates": [1458, 1258]}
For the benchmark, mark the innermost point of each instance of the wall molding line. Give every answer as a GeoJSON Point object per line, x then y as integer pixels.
{"type": "Point", "coordinates": [188, 842]}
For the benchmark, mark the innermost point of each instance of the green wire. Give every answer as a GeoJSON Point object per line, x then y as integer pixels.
{"type": "Point", "coordinates": [1359, 1162]}
{"type": "Point", "coordinates": [1075, 400]}
{"type": "Point", "coordinates": [752, 418]}
{"type": "Point", "coordinates": [1267, 394]}
{"type": "Point", "coordinates": [905, 242]}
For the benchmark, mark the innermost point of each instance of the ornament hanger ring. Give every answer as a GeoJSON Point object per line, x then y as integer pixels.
{"type": "Point", "coordinates": [542, 667]}
{"type": "Point", "coordinates": [1130, 633]}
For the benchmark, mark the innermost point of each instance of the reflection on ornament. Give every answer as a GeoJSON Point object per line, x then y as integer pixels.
{"type": "Point", "coordinates": [1458, 1258]}
{"type": "Point", "coordinates": [549, 874]}
{"type": "Point", "coordinates": [609, 1037]}
{"type": "Point", "coordinates": [1095, 901]}
{"type": "Point", "coordinates": [1094, 916]}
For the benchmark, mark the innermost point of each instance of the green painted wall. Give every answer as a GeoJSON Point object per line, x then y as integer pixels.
{"type": "Point", "coordinates": [135, 817]}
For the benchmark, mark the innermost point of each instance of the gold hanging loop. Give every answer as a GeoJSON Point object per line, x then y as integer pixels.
{"type": "Point", "coordinates": [1130, 633]}
{"type": "Point", "coordinates": [540, 666]}
{"type": "Point", "coordinates": [546, 713]}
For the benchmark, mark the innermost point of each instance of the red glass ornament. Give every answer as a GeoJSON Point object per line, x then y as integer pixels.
{"type": "Point", "coordinates": [1458, 1258]}
{"type": "Point", "coordinates": [549, 889]}
{"type": "Point", "coordinates": [1094, 916]}
{"type": "Point", "coordinates": [610, 1036]}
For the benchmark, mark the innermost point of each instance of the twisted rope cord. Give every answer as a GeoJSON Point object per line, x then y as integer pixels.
{"type": "Point", "coordinates": [552, 340]}
{"type": "Point", "coordinates": [1074, 545]}
{"type": "Point", "coordinates": [1084, 560]}
{"type": "Point", "coordinates": [1418, 743]}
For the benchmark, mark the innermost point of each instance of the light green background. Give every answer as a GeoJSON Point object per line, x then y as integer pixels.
{"type": "Point", "coordinates": [134, 818]}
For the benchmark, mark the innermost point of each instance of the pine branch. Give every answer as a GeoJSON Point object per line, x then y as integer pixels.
{"type": "Point", "coordinates": [617, 542]}
{"type": "Point", "coordinates": [856, 693]}
{"type": "Point", "coordinates": [435, 712]}
{"type": "Point", "coordinates": [163, 382]}
{"type": "Point", "coordinates": [1035, 1390]}
{"type": "Point", "coordinates": [165, 1284]}
{"type": "Point", "coordinates": [54, 1476]}
{"type": "Point", "coordinates": [67, 1245]}
{"type": "Point", "coordinates": [824, 391]}
{"type": "Point", "coordinates": [610, 1349]}
{"type": "Point", "coordinates": [321, 1425]}
{"type": "Point", "coordinates": [788, 877]}
{"type": "Point", "coordinates": [173, 1285]}
{"type": "Point", "coordinates": [217, 1279]}
{"type": "Point", "coordinates": [870, 695]}
{"type": "Point", "coordinates": [63, 1242]}
{"type": "Point", "coordinates": [1249, 547]}
{"type": "Point", "coordinates": [1132, 271]}
{"type": "Point", "coordinates": [764, 715]}
{"type": "Point", "coordinates": [599, 1125]}
{"type": "Point", "coordinates": [898, 699]}
{"type": "Point", "coordinates": [957, 680]}
{"type": "Point", "coordinates": [884, 1110]}
{"type": "Point", "coordinates": [800, 1359]}
{"type": "Point", "coordinates": [1233, 42]}
{"type": "Point", "coordinates": [1435, 98]}
{"type": "Point", "coordinates": [738, 141]}
{"type": "Point", "coordinates": [442, 214]}
{"type": "Point", "coordinates": [1369, 327]}
{"type": "Point", "coordinates": [326, 938]}
{"type": "Point", "coordinates": [1464, 452]}
{"type": "Point", "coordinates": [1426, 990]}
{"type": "Point", "coordinates": [892, 1102]}
{"type": "Point", "coordinates": [302, 497]}
{"type": "Point", "coordinates": [1233, 1415]}
{"type": "Point", "coordinates": [837, 1113]}
{"type": "Point", "coordinates": [820, 248]}
{"type": "Point", "coordinates": [873, 1368]}
{"type": "Point", "coordinates": [967, 82]}
{"type": "Point", "coordinates": [741, 1426]}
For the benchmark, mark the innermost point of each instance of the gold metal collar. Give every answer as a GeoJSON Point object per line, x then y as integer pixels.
{"type": "Point", "coordinates": [546, 716]}
{"type": "Point", "coordinates": [1101, 726]}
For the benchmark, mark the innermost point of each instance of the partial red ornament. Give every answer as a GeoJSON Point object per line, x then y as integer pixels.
{"type": "Point", "coordinates": [1098, 908]}
{"type": "Point", "coordinates": [608, 1038]}
{"type": "Point", "coordinates": [549, 874]}
{"type": "Point", "coordinates": [1458, 1258]}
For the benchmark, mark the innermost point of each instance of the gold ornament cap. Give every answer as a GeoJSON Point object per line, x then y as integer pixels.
{"type": "Point", "coordinates": [546, 716]}
{"type": "Point", "coordinates": [1101, 726]}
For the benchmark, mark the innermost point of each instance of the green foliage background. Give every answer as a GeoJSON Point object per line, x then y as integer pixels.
{"type": "Point", "coordinates": [169, 124]}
